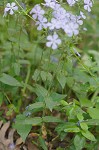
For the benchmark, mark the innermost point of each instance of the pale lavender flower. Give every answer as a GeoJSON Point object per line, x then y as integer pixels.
{"type": "Point", "coordinates": [71, 2]}
{"type": "Point", "coordinates": [59, 13]}
{"type": "Point", "coordinates": [82, 15]}
{"type": "Point", "coordinates": [53, 41]}
{"type": "Point", "coordinates": [10, 8]}
{"type": "Point", "coordinates": [50, 3]}
{"type": "Point", "coordinates": [79, 21]}
{"type": "Point", "coordinates": [41, 23]}
{"type": "Point", "coordinates": [57, 6]}
{"type": "Point", "coordinates": [87, 5]}
{"type": "Point", "coordinates": [37, 11]}
{"type": "Point", "coordinates": [61, 19]}
{"type": "Point", "coordinates": [71, 29]}
{"type": "Point", "coordinates": [54, 24]}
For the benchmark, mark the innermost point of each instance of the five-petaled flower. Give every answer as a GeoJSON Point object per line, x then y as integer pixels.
{"type": "Point", "coordinates": [87, 5]}
{"type": "Point", "coordinates": [53, 41]}
{"type": "Point", "coordinates": [37, 11]}
{"type": "Point", "coordinates": [41, 23]}
{"type": "Point", "coordinates": [10, 8]}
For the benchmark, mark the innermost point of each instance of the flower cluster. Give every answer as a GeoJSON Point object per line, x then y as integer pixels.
{"type": "Point", "coordinates": [53, 41]}
{"type": "Point", "coordinates": [59, 18]}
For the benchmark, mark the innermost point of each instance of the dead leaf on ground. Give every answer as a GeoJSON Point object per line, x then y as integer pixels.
{"type": "Point", "coordinates": [7, 139]}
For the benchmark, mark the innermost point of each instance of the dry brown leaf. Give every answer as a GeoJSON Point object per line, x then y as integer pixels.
{"type": "Point", "coordinates": [31, 146]}
{"type": "Point", "coordinates": [19, 141]}
{"type": "Point", "coordinates": [33, 135]}
{"type": "Point", "coordinates": [44, 132]}
{"type": "Point", "coordinates": [1, 122]}
{"type": "Point", "coordinates": [6, 139]}
{"type": "Point", "coordinates": [4, 143]}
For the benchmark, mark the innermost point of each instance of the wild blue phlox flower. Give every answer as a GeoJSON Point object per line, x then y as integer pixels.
{"type": "Point", "coordinates": [53, 41]}
{"type": "Point", "coordinates": [49, 3]}
{"type": "Point", "coordinates": [41, 23]}
{"type": "Point", "coordinates": [37, 11]}
{"type": "Point", "coordinates": [87, 5]}
{"type": "Point", "coordinates": [10, 8]}
{"type": "Point", "coordinates": [71, 2]}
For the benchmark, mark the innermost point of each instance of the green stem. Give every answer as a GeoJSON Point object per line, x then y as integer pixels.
{"type": "Point", "coordinates": [27, 79]}
{"type": "Point", "coordinates": [94, 95]}
{"type": "Point", "coordinates": [7, 97]}
{"type": "Point", "coordinates": [24, 11]}
{"type": "Point", "coordinates": [84, 66]}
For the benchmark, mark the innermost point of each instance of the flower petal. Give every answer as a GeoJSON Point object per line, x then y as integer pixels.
{"type": "Point", "coordinates": [58, 41]}
{"type": "Point", "coordinates": [13, 4]}
{"type": "Point", "coordinates": [11, 12]}
{"type": "Point", "coordinates": [8, 5]}
{"type": "Point", "coordinates": [49, 37]}
{"type": "Point", "coordinates": [15, 8]}
{"type": "Point", "coordinates": [48, 44]}
{"type": "Point", "coordinates": [6, 9]}
{"type": "Point", "coordinates": [55, 36]}
{"type": "Point", "coordinates": [54, 46]}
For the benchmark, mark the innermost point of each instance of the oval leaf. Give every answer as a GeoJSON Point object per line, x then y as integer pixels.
{"type": "Point", "coordinates": [88, 135]}
{"type": "Point", "coordinates": [9, 80]}
{"type": "Point", "coordinates": [51, 119]}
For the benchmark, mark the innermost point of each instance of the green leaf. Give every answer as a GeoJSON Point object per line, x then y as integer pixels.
{"type": "Point", "coordinates": [36, 75]}
{"type": "Point", "coordinates": [12, 108]}
{"type": "Point", "coordinates": [9, 80]}
{"type": "Point", "coordinates": [88, 135]}
{"type": "Point", "coordinates": [42, 143]}
{"type": "Point", "coordinates": [49, 77]}
{"type": "Point", "coordinates": [79, 142]}
{"type": "Point", "coordinates": [24, 124]}
{"type": "Point", "coordinates": [64, 103]}
{"type": "Point", "coordinates": [16, 68]}
{"type": "Point", "coordinates": [40, 91]}
{"type": "Point", "coordinates": [72, 129]}
{"type": "Point", "coordinates": [1, 3]}
{"type": "Point", "coordinates": [94, 113]}
{"type": "Point", "coordinates": [50, 103]}
{"type": "Point", "coordinates": [22, 128]}
{"type": "Point", "coordinates": [36, 105]}
{"type": "Point", "coordinates": [80, 76]}
{"type": "Point", "coordinates": [57, 97]}
{"type": "Point", "coordinates": [33, 121]}
{"type": "Point", "coordinates": [70, 81]}
{"type": "Point", "coordinates": [84, 126]}
{"type": "Point", "coordinates": [61, 127]}
{"type": "Point", "coordinates": [62, 80]}
{"type": "Point", "coordinates": [86, 103]}
{"type": "Point", "coordinates": [80, 117]}
{"type": "Point", "coordinates": [92, 122]}
{"type": "Point", "coordinates": [1, 98]}
{"type": "Point", "coordinates": [51, 119]}
{"type": "Point", "coordinates": [43, 75]}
